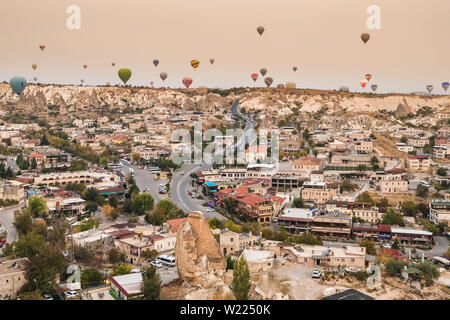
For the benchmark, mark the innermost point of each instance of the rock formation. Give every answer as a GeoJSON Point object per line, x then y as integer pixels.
{"type": "Point", "coordinates": [199, 260]}
{"type": "Point", "coordinates": [267, 288]}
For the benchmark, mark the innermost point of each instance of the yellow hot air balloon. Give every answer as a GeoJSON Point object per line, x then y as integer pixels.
{"type": "Point", "coordinates": [195, 64]}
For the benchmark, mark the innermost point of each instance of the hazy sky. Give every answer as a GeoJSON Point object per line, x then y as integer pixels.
{"type": "Point", "coordinates": [321, 37]}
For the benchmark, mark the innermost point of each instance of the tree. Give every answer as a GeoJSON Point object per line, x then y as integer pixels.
{"type": "Point", "coordinates": [91, 207]}
{"type": "Point", "coordinates": [442, 172]}
{"type": "Point", "coordinates": [215, 223]}
{"type": "Point", "coordinates": [241, 279]}
{"type": "Point", "coordinates": [33, 164]}
{"type": "Point", "coordinates": [121, 270]}
{"type": "Point", "coordinates": [107, 211]}
{"type": "Point", "coordinates": [149, 254]}
{"type": "Point", "coordinates": [113, 202]}
{"type": "Point", "coordinates": [32, 295]}
{"type": "Point", "coordinates": [361, 168]}
{"type": "Point", "coordinates": [396, 244]}
{"type": "Point", "coordinates": [30, 245]}
{"type": "Point", "coordinates": [421, 191]}
{"type": "Point", "coordinates": [151, 284]}
{"type": "Point", "coordinates": [136, 157]}
{"type": "Point", "coordinates": [267, 233]}
{"type": "Point", "coordinates": [44, 140]}
{"type": "Point", "coordinates": [347, 186]}
{"type": "Point", "coordinates": [90, 194]}
{"type": "Point", "coordinates": [394, 267]}
{"type": "Point", "coordinates": [366, 198]}
{"type": "Point", "coordinates": [91, 277]}
{"type": "Point", "coordinates": [409, 208]}
{"type": "Point", "coordinates": [230, 205]}
{"type": "Point", "coordinates": [383, 203]}
{"type": "Point", "coordinates": [23, 222]}
{"type": "Point", "coordinates": [393, 218]}
{"type": "Point", "coordinates": [370, 247]}
{"type": "Point", "coordinates": [115, 256]}
{"type": "Point", "coordinates": [298, 203]}
{"type": "Point", "coordinates": [142, 203]}
{"type": "Point", "coordinates": [230, 262]}
{"type": "Point", "coordinates": [104, 162]}
{"type": "Point", "coordinates": [78, 165]}
{"type": "Point", "coordinates": [37, 206]}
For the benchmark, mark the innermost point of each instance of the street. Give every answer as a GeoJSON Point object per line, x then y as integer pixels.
{"type": "Point", "coordinates": [7, 220]}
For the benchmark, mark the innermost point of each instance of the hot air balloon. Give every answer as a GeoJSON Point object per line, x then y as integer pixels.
{"type": "Point", "coordinates": [187, 81]}
{"type": "Point", "coordinates": [268, 81]}
{"type": "Point", "coordinates": [364, 83]}
{"type": "Point", "coordinates": [82, 81]}
{"type": "Point", "coordinates": [368, 77]}
{"type": "Point", "coordinates": [85, 66]}
{"type": "Point", "coordinates": [163, 76]}
{"type": "Point", "coordinates": [113, 64]}
{"type": "Point", "coordinates": [295, 69]}
{"type": "Point", "coordinates": [445, 85]}
{"type": "Point", "coordinates": [42, 48]}
{"type": "Point", "coordinates": [254, 76]}
{"type": "Point", "coordinates": [374, 87]}
{"type": "Point", "coordinates": [18, 84]}
{"type": "Point", "coordinates": [260, 30]}
{"type": "Point", "coordinates": [35, 79]}
{"type": "Point", "coordinates": [34, 66]}
{"type": "Point", "coordinates": [211, 61]}
{"type": "Point", "coordinates": [365, 37]}
{"type": "Point", "coordinates": [280, 86]}
{"type": "Point", "coordinates": [430, 88]}
{"type": "Point", "coordinates": [156, 62]}
{"type": "Point", "coordinates": [344, 89]}
{"type": "Point", "coordinates": [263, 71]}
{"type": "Point", "coordinates": [195, 64]}
{"type": "Point", "coordinates": [125, 75]}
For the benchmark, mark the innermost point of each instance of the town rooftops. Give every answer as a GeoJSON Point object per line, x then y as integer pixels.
{"type": "Point", "coordinates": [175, 223]}
{"type": "Point", "coordinates": [129, 284]}
{"type": "Point", "coordinates": [257, 255]}
{"type": "Point", "coordinates": [411, 231]}
{"type": "Point", "coordinates": [297, 214]}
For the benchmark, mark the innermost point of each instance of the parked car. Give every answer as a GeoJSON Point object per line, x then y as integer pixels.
{"type": "Point", "coordinates": [156, 264]}
{"type": "Point", "coordinates": [2, 242]}
{"type": "Point", "coordinates": [48, 297]}
{"type": "Point", "coordinates": [58, 296]}
{"type": "Point", "coordinates": [316, 274]}
{"type": "Point", "coordinates": [71, 294]}
{"type": "Point", "coordinates": [387, 246]}
{"type": "Point", "coordinates": [210, 210]}
{"type": "Point", "coordinates": [182, 173]}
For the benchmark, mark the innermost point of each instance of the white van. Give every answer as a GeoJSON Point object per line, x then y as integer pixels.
{"type": "Point", "coordinates": [424, 183]}
{"type": "Point", "coordinates": [166, 260]}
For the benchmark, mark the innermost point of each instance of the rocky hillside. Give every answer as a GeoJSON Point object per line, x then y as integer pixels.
{"type": "Point", "coordinates": [38, 99]}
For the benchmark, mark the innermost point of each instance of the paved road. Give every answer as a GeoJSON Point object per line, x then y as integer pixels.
{"type": "Point", "coordinates": [181, 184]}
{"type": "Point", "coordinates": [440, 247]}
{"type": "Point", "coordinates": [6, 220]}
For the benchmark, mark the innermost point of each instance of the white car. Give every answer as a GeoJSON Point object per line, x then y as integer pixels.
{"type": "Point", "coordinates": [71, 294]}
{"type": "Point", "coordinates": [316, 274]}
{"type": "Point", "coordinates": [156, 264]}
{"type": "Point", "coordinates": [210, 210]}
{"type": "Point", "coordinates": [387, 246]}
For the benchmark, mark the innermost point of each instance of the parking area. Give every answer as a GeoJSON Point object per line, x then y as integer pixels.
{"type": "Point", "coordinates": [299, 280]}
{"type": "Point", "coordinates": [167, 274]}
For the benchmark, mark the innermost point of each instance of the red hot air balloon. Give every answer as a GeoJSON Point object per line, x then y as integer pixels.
{"type": "Point", "coordinates": [254, 77]}
{"type": "Point", "coordinates": [85, 66]}
{"type": "Point", "coordinates": [368, 77]}
{"type": "Point", "coordinates": [42, 48]}
{"type": "Point", "coordinates": [187, 81]}
{"type": "Point", "coordinates": [364, 83]}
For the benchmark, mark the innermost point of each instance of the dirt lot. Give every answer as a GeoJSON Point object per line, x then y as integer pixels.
{"type": "Point", "coordinates": [296, 280]}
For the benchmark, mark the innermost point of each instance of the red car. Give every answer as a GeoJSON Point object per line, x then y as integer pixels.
{"type": "Point", "coordinates": [2, 242]}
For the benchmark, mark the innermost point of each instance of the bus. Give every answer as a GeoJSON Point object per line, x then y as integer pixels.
{"type": "Point", "coordinates": [166, 260]}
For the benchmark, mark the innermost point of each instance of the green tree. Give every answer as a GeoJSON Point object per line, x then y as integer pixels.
{"type": "Point", "coordinates": [215, 223]}
{"type": "Point", "coordinates": [104, 162]}
{"type": "Point", "coordinates": [347, 186]}
{"type": "Point", "coordinates": [30, 245]}
{"type": "Point", "coordinates": [298, 203]}
{"type": "Point", "coordinates": [142, 203]}
{"type": "Point", "coordinates": [370, 247]}
{"type": "Point", "coordinates": [115, 256]}
{"type": "Point", "coordinates": [121, 270]}
{"type": "Point", "coordinates": [77, 165]}
{"type": "Point", "coordinates": [91, 277]}
{"type": "Point", "coordinates": [149, 254]}
{"type": "Point", "coordinates": [267, 233]}
{"type": "Point", "coordinates": [366, 198]}
{"type": "Point", "coordinates": [230, 262]}
{"type": "Point", "coordinates": [393, 218]}
{"type": "Point", "coordinates": [91, 207]}
{"type": "Point", "coordinates": [421, 191]}
{"type": "Point", "coordinates": [241, 279]}
{"type": "Point", "coordinates": [33, 164]}
{"type": "Point", "coordinates": [32, 295]}
{"type": "Point", "coordinates": [37, 206]}
{"type": "Point", "coordinates": [409, 208]}
{"type": "Point", "coordinates": [442, 172]}
{"type": "Point", "coordinates": [23, 222]}
{"type": "Point", "coordinates": [396, 244]}
{"type": "Point", "coordinates": [383, 203]}
{"type": "Point", "coordinates": [151, 284]}
{"type": "Point", "coordinates": [394, 267]}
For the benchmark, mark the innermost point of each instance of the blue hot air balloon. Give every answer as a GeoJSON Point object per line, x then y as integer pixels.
{"type": "Point", "coordinates": [445, 85]}
{"type": "Point", "coordinates": [18, 84]}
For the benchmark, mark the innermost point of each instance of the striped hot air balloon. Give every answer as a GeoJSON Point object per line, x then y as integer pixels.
{"type": "Point", "coordinates": [195, 64]}
{"type": "Point", "coordinates": [268, 81]}
{"type": "Point", "coordinates": [374, 87]}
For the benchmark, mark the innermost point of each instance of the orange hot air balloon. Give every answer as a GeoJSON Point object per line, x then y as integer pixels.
{"type": "Point", "coordinates": [187, 81]}
{"type": "Point", "coordinates": [195, 63]}
{"type": "Point", "coordinates": [368, 77]}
